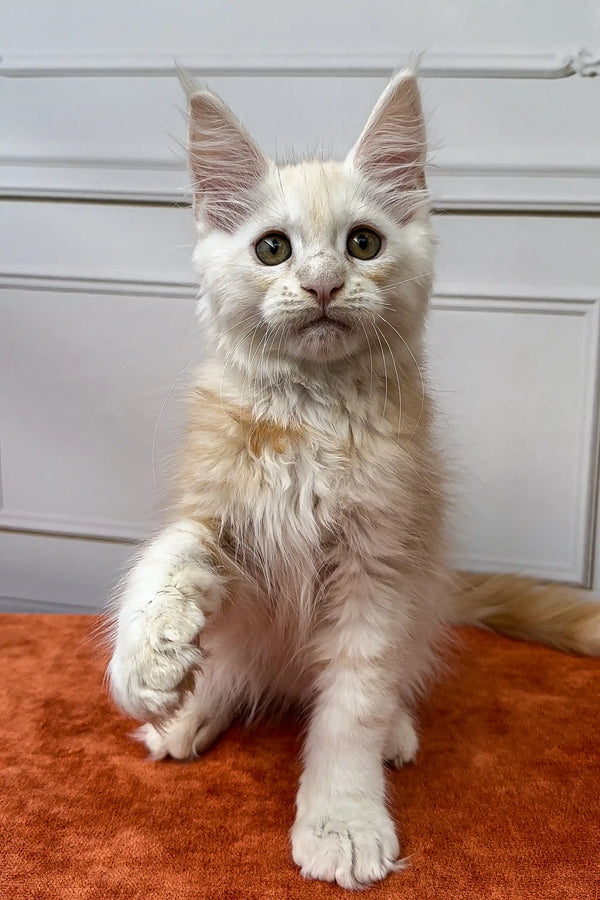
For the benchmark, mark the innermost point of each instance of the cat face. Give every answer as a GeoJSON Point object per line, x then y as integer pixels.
{"type": "Point", "coordinates": [318, 261]}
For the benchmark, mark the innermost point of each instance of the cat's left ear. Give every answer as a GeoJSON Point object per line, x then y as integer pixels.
{"type": "Point", "coordinates": [226, 165]}
{"type": "Point", "coordinates": [391, 150]}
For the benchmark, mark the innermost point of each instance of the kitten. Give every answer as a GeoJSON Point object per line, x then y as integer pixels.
{"type": "Point", "coordinates": [306, 557]}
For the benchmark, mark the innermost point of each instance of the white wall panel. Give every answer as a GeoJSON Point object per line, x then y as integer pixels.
{"type": "Point", "coordinates": [528, 255]}
{"type": "Point", "coordinates": [84, 377]}
{"type": "Point", "coordinates": [517, 382]}
{"type": "Point", "coordinates": [97, 241]}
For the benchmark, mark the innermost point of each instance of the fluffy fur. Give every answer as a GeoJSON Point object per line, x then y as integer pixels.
{"type": "Point", "coordinates": [522, 607]}
{"type": "Point", "coordinates": [305, 559]}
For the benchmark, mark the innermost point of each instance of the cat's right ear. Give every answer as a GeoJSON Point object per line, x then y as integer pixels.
{"type": "Point", "coordinates": [391, 151]}
{"type": "Point", "coordinates": [226, 164]}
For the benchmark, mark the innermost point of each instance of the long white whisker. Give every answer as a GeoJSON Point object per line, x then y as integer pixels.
{"type": "Point", "coordinates": [385, 374]}
{"type": "Point", "coordinates": [246, 334]}
{"type": "Point", "coordinates": [417, 366]}
{"type": "Point", "coordinates": [249, 334]}
{"type": "Point", "coordinates": [370, 358]}
{"type": "Point", "coordinates": [395, 284]}
{"type": "Point", "coordinates": [249, 367]}
{"type": "Point", "coordinates": [397, 379]}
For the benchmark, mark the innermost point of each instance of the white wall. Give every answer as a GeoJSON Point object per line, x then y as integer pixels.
{"type": "Point", "coordinates": [96, 290]}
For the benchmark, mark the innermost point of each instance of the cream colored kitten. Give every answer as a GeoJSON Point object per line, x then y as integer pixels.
{"type": "Point", "coordinates": [305, 561]}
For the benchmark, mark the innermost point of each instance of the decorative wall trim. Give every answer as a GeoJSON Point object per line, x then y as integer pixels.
{"type": "Point", "coordinates": [433, 64]}
{"type": "Point", "coordinates": [162, 182]}
{"type": "Point", "coordinates": [542, 569]}
{"type": "Point", "coordinates": [586, 62]}
{"type": "Point", "coordinates": [522, 188]}
{"type": "Point", "coordinates": [468, 299]}
{"type": "Point", "coordinates": [105, 530]}
{"type": "Point", "coordinates": [64, 284]}
{"type": "Point", "coordinates": [24, 605]}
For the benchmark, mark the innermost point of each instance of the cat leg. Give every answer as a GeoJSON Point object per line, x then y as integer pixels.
{"type": "Point", "coordinates": [343, 831]}
{"type": "Point", "coordinates": [402, 743]}
{"type": "Point", "coordinates": [168, 596]}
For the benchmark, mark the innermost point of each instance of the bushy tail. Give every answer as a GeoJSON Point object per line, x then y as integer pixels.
{"type": "Point", "coordinates": [533, 610]}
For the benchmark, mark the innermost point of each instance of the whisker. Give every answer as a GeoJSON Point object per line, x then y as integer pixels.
{"type": "Point", "coordinates": [248, 333]}
{"type": "Point", "coordinates": [397, 379]}
{"type": "Point", "coordinates": [370, 358]}
{"type": "Point", "coordinates": [417, 366]}
{"type": "Point", "coordinates": [395, 284]}
{"type": "Point", "coordinates": [385, 373]}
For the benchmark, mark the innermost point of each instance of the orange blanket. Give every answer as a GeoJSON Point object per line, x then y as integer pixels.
{"type": "Point", "coordinates": [503, 803]}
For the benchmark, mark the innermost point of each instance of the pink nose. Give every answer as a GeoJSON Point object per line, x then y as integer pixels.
{"type": "Point", "coordinates": [324, 291]}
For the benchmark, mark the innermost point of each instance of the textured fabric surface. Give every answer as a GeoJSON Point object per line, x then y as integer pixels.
{"type": "Point", "coordinates": [502, 803]}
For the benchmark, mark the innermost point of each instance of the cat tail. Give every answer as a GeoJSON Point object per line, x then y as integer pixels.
{"type": "Point", "coordinates": [532, 610]}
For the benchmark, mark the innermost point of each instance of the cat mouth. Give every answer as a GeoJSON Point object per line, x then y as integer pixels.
{"type": "Point", "coordinates": [324, 324]}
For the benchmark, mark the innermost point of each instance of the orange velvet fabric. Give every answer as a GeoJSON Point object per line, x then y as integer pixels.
{"type": "Point", "coordinates": [503, 803]}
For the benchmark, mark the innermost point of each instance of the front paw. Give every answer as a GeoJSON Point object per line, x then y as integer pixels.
{"type": "Point", "coordinates": [354, 845]}
{"type": "Point", "coordinates": [156, 653]}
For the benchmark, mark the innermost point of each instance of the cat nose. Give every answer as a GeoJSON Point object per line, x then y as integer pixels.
{"type": "Point", "coordinates": [324, 291]}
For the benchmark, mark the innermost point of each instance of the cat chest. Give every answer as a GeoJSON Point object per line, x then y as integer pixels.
{"type": "Point", "coordinates": [303, 484]}
{"type": "Point", "coordinates": [296, 480]}
{"type": "Point", "coordinates": [283, 492]}
{"type": "Point", "coordinates": [284, 498]}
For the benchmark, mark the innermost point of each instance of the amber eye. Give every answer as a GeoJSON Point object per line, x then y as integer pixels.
{"type": "Point", "coordinates": [363, 243]}
{"type": "Point", "coordinates": [273, 249]}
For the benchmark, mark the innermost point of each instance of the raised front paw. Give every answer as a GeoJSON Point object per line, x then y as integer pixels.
{"type": "Point", "coordinates": [156, 652]}
{"type": "Point", "coordinates": [354, 845]}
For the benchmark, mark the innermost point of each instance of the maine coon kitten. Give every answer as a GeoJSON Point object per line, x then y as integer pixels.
{"type": "Point", "coordinates": [305, 561]}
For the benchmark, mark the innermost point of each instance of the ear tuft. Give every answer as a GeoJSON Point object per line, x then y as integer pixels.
{"type": "Point", "coordinates": [391, 151]}
{"type": "Point", "coordinates": [187, 81]}
{"type": "Point", "coordinates": [226, 165]}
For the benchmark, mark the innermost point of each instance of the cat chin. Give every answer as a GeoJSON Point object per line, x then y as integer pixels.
{"type": "Point", "coordinates": [324, 344]}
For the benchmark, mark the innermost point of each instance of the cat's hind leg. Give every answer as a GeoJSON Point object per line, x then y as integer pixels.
{"type": "Point", "coordinates": [402, 743]}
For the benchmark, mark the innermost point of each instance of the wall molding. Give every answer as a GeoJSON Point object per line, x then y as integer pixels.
{"type": "Point", "coordinates": [483, 63]}
{"type": "Point", "coordinates": [468, 299]}
{"type": "Point", "coordinates": [66, 284]}
{"type": "Point", "coordinates": [25, 605]}
{"type": "Point", "coordinates": [469, 562]}
{"type": "Point", "coordinates": [532, 188]}
{"type": "Point", "coordinates": [469, 187]}
{"type": "Point", "coordinates": [104, 530]}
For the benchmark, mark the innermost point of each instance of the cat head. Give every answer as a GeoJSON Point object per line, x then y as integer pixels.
{"type": "Point", "coordinates": [318, 261]}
